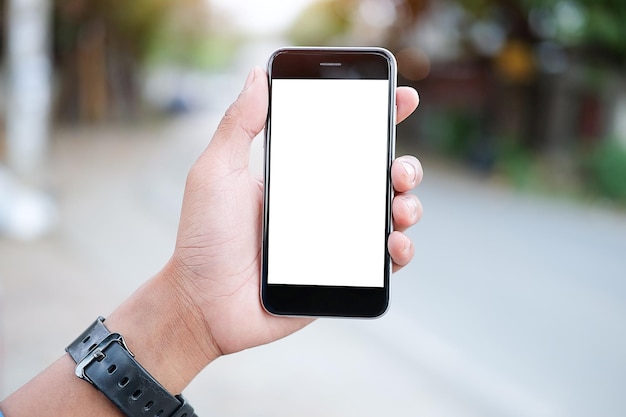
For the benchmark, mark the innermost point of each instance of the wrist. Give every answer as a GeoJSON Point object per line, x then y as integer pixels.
{"type": "Point", "coordinates": [160, 326]}
{"type": "Point", "coordinates": [165, 330]}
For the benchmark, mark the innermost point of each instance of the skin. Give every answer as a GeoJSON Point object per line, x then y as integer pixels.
{"type": "Point", "coordinates": [205, 302]}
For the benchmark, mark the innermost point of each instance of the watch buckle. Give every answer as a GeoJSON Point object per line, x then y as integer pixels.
{"type": "Point", "coordinates": [97, 354]}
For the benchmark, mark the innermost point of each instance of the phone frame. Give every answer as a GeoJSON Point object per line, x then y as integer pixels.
{"type": "Point", "coordinates": [314, 300]}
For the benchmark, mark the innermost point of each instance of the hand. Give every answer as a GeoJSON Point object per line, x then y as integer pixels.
{"type": "Point", "coordinates": [205, 302]}
{"type": "Point", "coordinates": [218, 254]}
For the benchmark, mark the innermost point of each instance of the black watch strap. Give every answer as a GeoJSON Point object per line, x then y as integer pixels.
{"type": "Point", "coordinates": [103, 359]}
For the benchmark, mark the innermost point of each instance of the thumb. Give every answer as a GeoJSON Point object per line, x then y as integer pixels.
{"type": "Point", "coordinates": [243, 120]}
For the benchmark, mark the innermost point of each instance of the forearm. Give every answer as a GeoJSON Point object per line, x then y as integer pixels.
{"type": "Point", "coordinates": [169, 339]}
{"type": "Point", "coordinates": [57, 392]}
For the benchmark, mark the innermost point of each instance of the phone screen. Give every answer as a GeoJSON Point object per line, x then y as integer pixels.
{"type": "Point", "coordinates": [328, 182]}
{"type": "Point", "coordinates": [328, 151]}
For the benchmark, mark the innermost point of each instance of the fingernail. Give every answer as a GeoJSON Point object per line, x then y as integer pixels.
{"type": "Point", "coordinates": [410, 171]}
{"type": "Point", "coordinates": [407, 245]}
{"type": "Point", "coordinates": [250, 78]}
{"type": "Point", "coordinates": [411, 204]}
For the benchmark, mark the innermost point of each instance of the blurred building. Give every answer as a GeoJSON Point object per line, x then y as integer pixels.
{"type": "Point", "coordinates": [533, 91]}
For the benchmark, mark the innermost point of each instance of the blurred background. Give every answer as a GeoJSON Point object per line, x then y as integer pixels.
{"type": "Point", "coordinates": [515, 302]}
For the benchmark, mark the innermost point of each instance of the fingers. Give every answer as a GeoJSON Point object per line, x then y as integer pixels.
{"type": "Point", "coordinates": [407, 100]}
{"type": "Point", "coordinates": [243, 120]}
{"type": "Point", "coordinates": [407, 211]}
{"type": "Point", "coordinates": [401, 249]}
{"type": "Point", "coordinates": [406, 173]}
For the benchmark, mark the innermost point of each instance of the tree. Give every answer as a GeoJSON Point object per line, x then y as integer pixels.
{"type": "Point", "coordinates": [100, 47]}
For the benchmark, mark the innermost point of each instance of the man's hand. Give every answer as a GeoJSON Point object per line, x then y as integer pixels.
{"type": "Point", "coordinates": [205, 302]}
{"type": "Point", "coordinates": [218, 255]}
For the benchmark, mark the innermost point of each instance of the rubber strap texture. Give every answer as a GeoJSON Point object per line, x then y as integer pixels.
{"type": "Point", "coordinates": [88, 340]}
{"type": "Point", "coordinates": [104, 360]}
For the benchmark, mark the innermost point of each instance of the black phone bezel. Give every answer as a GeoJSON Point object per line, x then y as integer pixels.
{"type": "Point", "coordinates": [329, 301]}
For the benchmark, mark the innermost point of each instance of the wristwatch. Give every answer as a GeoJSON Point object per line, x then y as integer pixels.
{"type": "Point", "coordinates": [104, 360]}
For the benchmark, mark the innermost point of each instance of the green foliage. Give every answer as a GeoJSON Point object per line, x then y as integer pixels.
{"type": "Point", "coordinates": [453, 132]}
{"type": "Point", "coordinates": [606, 169]}
{"type": "Point", "coordinates": [517, 164]}
{"type": "Point", "coordinates": [460, 133]}
{"type": "Point", "coordinates": [138, 29]}
{"type": "Point", "coordinates": [136, 22]}
{"type": "Point", "coordinates": [322, 23]}
{"type": "Point", "coordinates": [201, 51]}
{"type": "Point", "coordinates": [606, 25]}
{"type": "Point", "coordinates": [478, 8]}
{"type": "Point", "coordinates": [603, 28]}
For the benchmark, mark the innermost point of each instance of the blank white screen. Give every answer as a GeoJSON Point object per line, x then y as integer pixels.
{"type": "Point", "coordinates": [328, 182]}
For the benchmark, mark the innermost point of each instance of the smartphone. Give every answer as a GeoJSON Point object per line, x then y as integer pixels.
{"type": "Point", "coordinates": [329, 145]}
